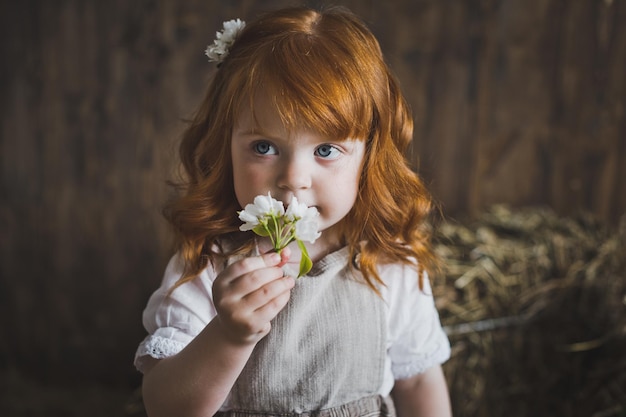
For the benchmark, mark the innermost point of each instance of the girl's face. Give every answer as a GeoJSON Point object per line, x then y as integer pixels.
{"type": "Point", "coordinates": [319, 171]}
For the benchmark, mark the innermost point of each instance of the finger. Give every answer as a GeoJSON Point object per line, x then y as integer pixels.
{"type": "Point", "coordinates": [232, 294]}
{"type": "Point", "coordinates": [272, 307]}
{"type": "Point", "coordinates": [252, 315]}
{"type": "Point", "coordinates": [256, 262]}
{"type": "Point", "coordinates": [247, 265]}
{"type": "Point", "coordinates": [255, 281]}
{"type": "Point", "coordinates": [264, 294]}
{"type": "Point", "coordinates": [285, 254]}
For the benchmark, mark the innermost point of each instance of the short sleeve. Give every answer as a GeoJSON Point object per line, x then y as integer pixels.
{"type": "Point", "coordinates": [416, 339]}
{"type": "Point", "coordinates": [173, 318]}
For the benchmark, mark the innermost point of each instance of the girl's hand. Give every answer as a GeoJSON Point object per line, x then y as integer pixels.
{"type": "Point", "coordinates": [249, 293]}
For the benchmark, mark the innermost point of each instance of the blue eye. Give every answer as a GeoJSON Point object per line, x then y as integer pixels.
{"type": "Point", "coordinates": [327, 151]}
{"type": "Point", "coordinates": [264, 148]}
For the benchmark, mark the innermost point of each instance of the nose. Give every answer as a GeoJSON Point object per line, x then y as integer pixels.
{"type": "Point", "coordinates": [294, 175]}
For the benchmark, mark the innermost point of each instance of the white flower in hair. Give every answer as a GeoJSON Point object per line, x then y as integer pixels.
{"type": "Point", "coordinates": [224, 40]}
{"type": "Point", "coordinates": [267, 217]}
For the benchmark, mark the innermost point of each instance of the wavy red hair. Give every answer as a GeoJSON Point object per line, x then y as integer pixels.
{"type": "Point", "coordinates": [325, 71]}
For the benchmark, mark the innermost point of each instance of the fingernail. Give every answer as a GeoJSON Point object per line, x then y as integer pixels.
{"type": "Point", "coordinates": [275, 257]}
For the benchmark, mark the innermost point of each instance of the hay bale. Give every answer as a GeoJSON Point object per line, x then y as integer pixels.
{"type": "Point", "coordinates": [535, 307]}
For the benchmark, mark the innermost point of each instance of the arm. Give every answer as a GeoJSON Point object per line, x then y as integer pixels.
{"type": "Point", "coordinates": [424, 394]}
{"type": "Point", "coordinates": [195, 382]}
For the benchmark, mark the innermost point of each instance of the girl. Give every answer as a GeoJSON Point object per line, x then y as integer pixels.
{"type": "Point", "coordinates": [302, 106]}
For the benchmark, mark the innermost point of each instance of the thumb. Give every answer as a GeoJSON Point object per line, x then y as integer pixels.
{"type": "Point", "coordinates": [285, 254]}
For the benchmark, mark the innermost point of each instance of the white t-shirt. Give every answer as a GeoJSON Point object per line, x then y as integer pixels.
{"type": "Point", "coordinates": [415, 339]}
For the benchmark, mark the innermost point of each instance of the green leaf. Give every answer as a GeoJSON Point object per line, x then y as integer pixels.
{"type": "Point", "coordinates": [305, 260]}
{"type": "Point", "coordinates": [261, 230]}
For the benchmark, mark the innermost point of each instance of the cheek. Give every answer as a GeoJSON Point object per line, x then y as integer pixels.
{"type": "Point", "coordinates": [240, 180]}
{"type": "Point", "coordinates": [344, 186]}
{"type": "Point", "coordinates": [249, 182]}
{"type": "Point", "coordinates": [352, 184]}
{"type": "Point", "coordinates": [352, 176]}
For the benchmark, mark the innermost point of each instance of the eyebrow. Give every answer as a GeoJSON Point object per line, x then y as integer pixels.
{"type": "Point", "coordinates": [256, 131]}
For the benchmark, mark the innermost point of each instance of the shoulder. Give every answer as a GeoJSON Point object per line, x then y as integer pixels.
{"type": "Point", "coordinates": [404, 280]}
{"type": "Point", "coordinates": [405, 300]}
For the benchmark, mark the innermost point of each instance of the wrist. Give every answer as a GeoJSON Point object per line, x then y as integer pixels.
{"type": "Point", "coordinates": [236, 337]}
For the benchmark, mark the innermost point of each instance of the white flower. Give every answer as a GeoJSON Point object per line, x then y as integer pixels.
{"type": "Point", "coordinates": [224, 40]}
{"type": "Point", "coordinates": [305, 219]}
{"type": "Point", "coordinates": [307, 230]}
{"type": "Point", "coordinates": [264, 208]}
{"type": "Point", "coordinates": [295, 210]}
{"type": "Point", "coordinates": [267, 217]}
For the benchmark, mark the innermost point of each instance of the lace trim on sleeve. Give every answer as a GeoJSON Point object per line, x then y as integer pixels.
{"type": "Point", "coordinates": [421, 364]}
{"type": "Point", "coordinates": [158, 348]}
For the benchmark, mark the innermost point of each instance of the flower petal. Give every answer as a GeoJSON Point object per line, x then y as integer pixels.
{"type": "Point", "coordinates": [307, 230]}
{"type": "Point", "coordinates": [224, 40]}
{"type": "Point", "coordinates": [295, 210]}
{"type": "Point", "coordinates": [266, 205]}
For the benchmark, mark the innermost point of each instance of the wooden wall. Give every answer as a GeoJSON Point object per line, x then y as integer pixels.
{"type": "Point", "coordinates": [516, 101]}
{"type": "Point", "coordinates": [519, 101]}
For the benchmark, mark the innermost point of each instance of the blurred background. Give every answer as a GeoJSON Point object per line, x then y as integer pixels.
{"type": "Point", "coordinates": [518, 104]}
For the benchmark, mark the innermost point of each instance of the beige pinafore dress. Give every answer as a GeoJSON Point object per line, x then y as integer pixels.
{"type": "Point", "coordinates": [325, 354]}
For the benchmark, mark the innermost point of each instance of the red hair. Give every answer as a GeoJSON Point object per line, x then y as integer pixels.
{"type": "Point", "coordinates": [324, 71]}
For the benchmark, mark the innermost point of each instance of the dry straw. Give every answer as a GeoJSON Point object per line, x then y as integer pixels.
{"type": "Point", "coordinates": [535, 307]}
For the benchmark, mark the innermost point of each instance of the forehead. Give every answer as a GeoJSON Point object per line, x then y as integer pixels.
{"type": "Point", "coordinates": [257, 111]}
{"type": "Point", "coordinates": [311, 97]}
{"type": "Point", "coordinates": [263, 112]}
